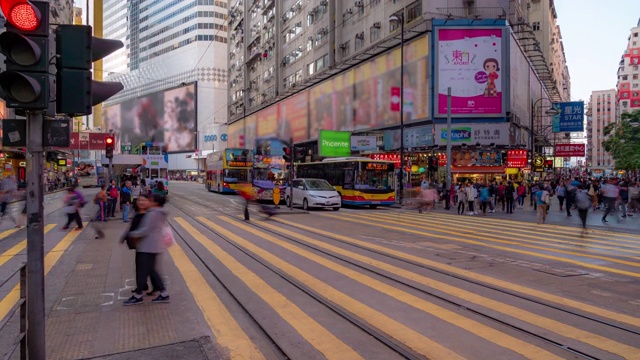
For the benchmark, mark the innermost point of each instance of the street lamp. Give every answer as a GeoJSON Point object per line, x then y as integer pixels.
{"type": "Point", "coordinates": [551, 111]}
{"type": "Point", "coordinates": [197, 156]}
{"type": "Point", "coordinates": [396, 19]}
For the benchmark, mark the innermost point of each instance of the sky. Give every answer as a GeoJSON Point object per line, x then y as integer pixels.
{"type": "Point", "coordinates": [594, 34]}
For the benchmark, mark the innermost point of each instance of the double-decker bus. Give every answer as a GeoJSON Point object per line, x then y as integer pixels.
{"type": "Point", "coordinates": [228, 170]}
{"type": "Point", "coordinates": [360, 181]}
{"type": "Point", "coordinates": [155, 163]}
{"type": "Point", "coordinates": [88, 174]}
{"type": "Point", "coordinates": [269, 170]}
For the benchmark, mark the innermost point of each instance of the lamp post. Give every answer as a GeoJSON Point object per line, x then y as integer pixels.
{"type": "Point", "coordinates": [399, 19]}
{"type": "Point", "coordinates": [551, 111]}
{"type": "Point", "coordinates": [197, 156]}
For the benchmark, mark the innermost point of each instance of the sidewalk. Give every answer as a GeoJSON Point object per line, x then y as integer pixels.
{"type": "Point", "coordinates": [557, 217]}
{"type": "Point", "coordinates": [87, 318]}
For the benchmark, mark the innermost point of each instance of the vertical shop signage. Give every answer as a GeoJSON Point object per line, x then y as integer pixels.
{"type": "Point", "coordinates": [571, 117]}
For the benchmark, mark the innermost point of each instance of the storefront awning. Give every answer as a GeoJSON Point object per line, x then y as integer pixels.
{"type": "Point", "coordinates": [477, 170]}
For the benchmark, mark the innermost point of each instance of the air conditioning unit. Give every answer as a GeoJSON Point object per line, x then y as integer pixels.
{"type": "Point", "coordinates": [359, 4]}
{"type": "Point", "coordinates": [377, 25]}
{"type": "Point", "coordinates": [343, 46]}
{"type": "Point", "coordinates": [349, 11]}
{"type": "Point", "coordinates": [310, 38]}
{"type": "Point", "coordinates": [360, 36]}
{"type": "Point", "coordinates": [324, 3]}
{"type": "Point", "coordinates": [283, 63]}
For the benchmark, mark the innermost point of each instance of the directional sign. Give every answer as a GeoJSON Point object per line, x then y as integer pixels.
{"type": "Point", "coordinates": [125, 148]}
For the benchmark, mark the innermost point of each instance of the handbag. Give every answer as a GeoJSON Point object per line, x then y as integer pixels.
{"type": "Point", "coordinates": [167, 236]}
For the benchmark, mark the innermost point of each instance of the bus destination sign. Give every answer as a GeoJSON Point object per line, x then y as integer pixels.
{"type": "Point", "coordinates": [234, 163]}
{"type": "Point", "coordinates": [377, 166]}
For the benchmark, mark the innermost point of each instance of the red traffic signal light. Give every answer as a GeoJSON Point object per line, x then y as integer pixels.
{"type": "Point", "coordinates": [21, 14]}
{"type": "Point", "coordinates": [109, 140]}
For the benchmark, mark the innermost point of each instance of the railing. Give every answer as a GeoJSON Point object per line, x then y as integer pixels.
{"type": "Point", "coordinates": [21, 339]}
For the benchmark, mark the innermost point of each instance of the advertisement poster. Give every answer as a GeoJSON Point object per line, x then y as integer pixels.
{"type": "Point", "coordinates": [477, 158]}
{"type": "Point", "coordinates": [235, 133]}
{"type": "Point", "coordinates": [471, 61]}
{"type": "Point", "coordinates": [364, 143]}
{"type": "Point", "coordinates": [520, 103]}
{"type": "Point", "coordinates": [267, 121]}
{"type": "Point", "coordinates": [334, 143]}
{"type": "Point", "coordinates": [470, 134]}
{"type": "Point", "coordinates": [292, 118]}
{"type": "Point", "coordinates": [414, 137]}
{"type": "Point", "coordinates": [250, 131]}
{"type": "Point", "coordinates": [167, 116]}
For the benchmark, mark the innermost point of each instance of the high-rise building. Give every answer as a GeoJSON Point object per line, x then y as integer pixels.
{"type": "Point", "coordinates": [629, 73]}
{"type": "Point", "coordinates": [169, 47]}
{"type": "Point", "coordinates": [603, 111]}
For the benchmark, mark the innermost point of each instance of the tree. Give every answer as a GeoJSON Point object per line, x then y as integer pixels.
{"type": "Point", "coordinates": [622, 141]}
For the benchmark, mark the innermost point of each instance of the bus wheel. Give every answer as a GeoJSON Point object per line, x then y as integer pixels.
{"type": "Point", "coordinates": [373, 206]}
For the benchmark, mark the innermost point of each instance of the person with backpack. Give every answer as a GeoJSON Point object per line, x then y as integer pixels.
{"type": "Point", "coordinates": [542, 201]}
{"type": "Point", "coordinates": [112, 192]}
{"type": "Point", "coordinates": [583, 201]}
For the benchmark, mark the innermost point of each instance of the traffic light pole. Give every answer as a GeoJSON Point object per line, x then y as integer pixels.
{"type": "Point", "coordinates": [35, 236]}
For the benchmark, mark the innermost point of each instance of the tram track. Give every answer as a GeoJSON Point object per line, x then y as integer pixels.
{"type": "Point", "coordinates": [392, 343]}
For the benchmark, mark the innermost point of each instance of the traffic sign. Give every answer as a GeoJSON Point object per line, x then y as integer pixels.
{"type": "Point", "coordinates": [125, 148]}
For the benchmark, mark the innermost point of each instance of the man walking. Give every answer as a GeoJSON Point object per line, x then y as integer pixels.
{"type": "Point", "coordinates": [610, 194]}
{"type": "Point", "coordinates": [126, 199]}
{"type": "Point", "coordinates": [542, 201]}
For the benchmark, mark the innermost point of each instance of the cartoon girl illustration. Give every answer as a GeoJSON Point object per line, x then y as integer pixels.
{"type": "Point", "coordinates": [492, 67]}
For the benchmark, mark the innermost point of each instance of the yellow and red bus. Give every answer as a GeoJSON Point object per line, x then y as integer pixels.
{"type": "Point", "coordinates": [228, 170]}
{"type": "Point", "coordinates": [360, 181]}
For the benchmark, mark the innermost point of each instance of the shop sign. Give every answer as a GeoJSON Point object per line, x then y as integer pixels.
{"type": "Point", "coordinates": [558, 162]}
{"type": "Point", "coordinates": [476, 158]}
{"type": "Point", "coordinates": [414, 137]}
{"type": "Point", "coordinates": [442, 159]}
{"type": "Point", "coordinates": [538, 163]}
{"type": "Point", "coordinates": [571, 117]}
{"type": "Point", "coordinates": [334, 143]}
{"type": "Point", "coordinates": [472, 61]}
{"type": "Point", "coordinates": [387, 157]}
{"type": "Point", "coordinates": [570, 150]}
{"type": "Point", "coordinates": [517, 158]}
{"type": "Point", "coordinates": [364, 143]}
{"type": "Point", "coordinates": [22, 164]}
{"type": "Point", "coordinates": [485, 134]}
{"type": "Point", "coordinates": [62, 162]}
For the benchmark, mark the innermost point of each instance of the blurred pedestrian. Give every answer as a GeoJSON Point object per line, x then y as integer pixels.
{"type": "Point", "coordinates": [72, 204]}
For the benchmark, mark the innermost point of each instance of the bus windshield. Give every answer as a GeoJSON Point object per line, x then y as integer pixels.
{"type": "Point", "coordinates": [375, 176]}
{"type": "Point", "coordinates": [236, 176]}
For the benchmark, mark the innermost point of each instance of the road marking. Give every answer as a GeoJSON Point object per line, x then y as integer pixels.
{"type": "Point", "coordinates": [393, 328]}
{"type": "Point", "coordinates": [6, 233]}
{"type": "Point", "coordinates": [16, 249]}
{"type": "Point", "coordinates": [499, 247]}
{"type": "Point", "coordinates": [319, 337]}
{"type": "Point", "coordinates": [481, 330]}
{"type": "Point", "coordinates": [50, 260]}
{"type": "Point", "coordinates": [623, 318]}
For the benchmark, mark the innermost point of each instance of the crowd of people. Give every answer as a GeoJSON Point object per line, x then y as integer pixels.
{"type": "Point", "coordinates": [580, 193]}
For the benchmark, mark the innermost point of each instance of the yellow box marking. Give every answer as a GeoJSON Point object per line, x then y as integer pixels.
{"type": "Point", "coordinates": [628, 352]}
{"type": "Point", "coordinates": [227, 331]}
{"type": "Point", "coordinates": [319, 337]}
{"type": "Point", "coordinates": [623, 318]}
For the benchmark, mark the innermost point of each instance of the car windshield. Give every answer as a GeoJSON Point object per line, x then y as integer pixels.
{"type": "Point", "coordinates": [319, 185]}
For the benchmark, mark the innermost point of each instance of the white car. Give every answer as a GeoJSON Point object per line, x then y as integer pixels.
{"type": "Point", "coordinates": [313, 193]}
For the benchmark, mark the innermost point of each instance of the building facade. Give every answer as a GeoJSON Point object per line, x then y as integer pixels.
{"type": "Point", "coordinates": [174, 76]}
{"type": "Point", "coordinates": [298, 67]}
{"type": "Point", "coordinates": [629, 73]}
{"type": "Point", "coordinates": [603, 111]}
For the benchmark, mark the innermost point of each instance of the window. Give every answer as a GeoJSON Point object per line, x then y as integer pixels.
{"type": "Point", "coordinates": [374, 2]}
{"type": "Point", "coordinates": [635, 34]}
{"type": "Point", "coordinates": [536, 25]}
{"type": "Point", "coordinates": [359, 41]}
{"type": "Point", "coordinates": [625, 77]}
{"type": "Point", "coordinates": [414, 11]}
{"type": "Point", "coordinates": [310, 69]}
{"type": "Point", "coordinates": [374, 34]}
{"type": "Point", "coordinates": [345, 48]}
{"type": "Point", "coordinates": [635, 76]}
{"type": "Point", "coordinates": [322, 62]}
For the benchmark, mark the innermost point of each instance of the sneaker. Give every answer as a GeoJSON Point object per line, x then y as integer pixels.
{"type": "Point", "coordinates": [78, 228]}
{"type": "Point", "coordinates": [133, 300]}
{"type": "Point", "coordinates": [65, 228]}
{"type": "Point", "coordinates": [161, 299]}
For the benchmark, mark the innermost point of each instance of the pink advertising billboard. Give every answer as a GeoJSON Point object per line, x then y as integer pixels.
{"type": "Point", "coordinates": [472, 61]}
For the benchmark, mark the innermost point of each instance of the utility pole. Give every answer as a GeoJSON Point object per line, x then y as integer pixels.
{"type": "Point", "coordinates": [35, 236]}
{"type": "Point", "coordinates": [449, 179]}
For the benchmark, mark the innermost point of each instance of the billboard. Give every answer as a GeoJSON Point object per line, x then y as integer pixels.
{"type": "Point", "coordinates": [417, 136]}
{"type": "Point", "coordinates": [364, 143]}
{"type": "Point", "coordinates": [167, 117]}
{"type": "Point", "coordinates": [571, 117]}
{"type": "Point", "coordinates": [472, 133]}
{"type": "Point", "coordinates": [471, 61]}
{"type": "Point", "coordinates": [235, 133]}
{"type": "Point", "coordinates": [293, 114]}
{"type": "Point", "coordinates": [334, 143]}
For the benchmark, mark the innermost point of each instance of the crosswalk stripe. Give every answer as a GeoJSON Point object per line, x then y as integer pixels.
{"type": "Point", "coordinates": [319, 337]}
{"type": "Point", "coordinates": [16, 249]}
{"type": "Point", "coordinates": [399, 331]}
{"type": "Point", "coordinates": [517, 313]}
{"type": "Point", "coordinates": [227, 331]}
{"type": "Point", "coordinates": [536, 232]}
{"type": "Point", "coordinates": [552, 228]}
{"type": "Point", "coordinates": [499, 247]}
{"type": "Point", "coordinates": [583, 307]}
{"type": "Point", "coordinates": [434, 225]}
{"type": "Point", "coordinates": [50, 260]}
{"type": "Point", "coordinates": [6, 233]}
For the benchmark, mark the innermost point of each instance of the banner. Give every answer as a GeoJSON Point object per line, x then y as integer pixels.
{"type": "Point", "coordinates": [570, 150]}
{"type": "Point", "coordinates": [85, 141]}
{"type": "Point", "coordinates": [364, 143]}
{"type": "Point", "coordinates": [470, 134]}
{"type": "Point", "coordinates": [471, 60]}
{"type": "Point", "coordinates": [571, 117]}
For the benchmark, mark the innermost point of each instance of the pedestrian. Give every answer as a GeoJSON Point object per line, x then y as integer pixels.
{"type": "Point", "coordinates": [112, 193]}
{"type": "Point", "coordinates": [462, 199]}
{"type": "Point", "coordinates": [126, 199]}
{"type": "Point", "coordinates": [509, 195]}
{"type": "Point", "coordinates": [583, 203]}
{"type": "Point", "coordinates": [542, 200]}
{"type": "Point", "coordinates": [101, 199]}
{"type": "Point", "coordinates": [623, 199]}
{"type": "Point", "coordinates": [143, 206]}
{"type": "Point", "coordinates": [561, 192]}
{"type": "Point", "coordinates": [150, 244]}
{"type": "Point", "coordinates": [484, 196]}
{"type": "Point", "coordinates": [610, 194]}
{"type": "Point", "coordinates": [72, 205]}
{"type": "Point", "coordinates": [9, 188]}
{"type": "Point", "coordinates": [136, 190]}
{"type": "Point", "coordinates": [471, 198]}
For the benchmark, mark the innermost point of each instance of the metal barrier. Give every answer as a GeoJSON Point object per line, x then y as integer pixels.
{"type": "Point", "coordinates": [21, 339]}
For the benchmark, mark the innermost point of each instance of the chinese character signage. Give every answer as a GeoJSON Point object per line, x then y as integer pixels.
{"type": "Point", "coordinates": [470, 134]}
{"type": "Point", "coordinates": [571, 117]}
{"type": "Point", "coordinates": [471, 61]}
{"type": "Point", "coordinates": [570, 150]}
{"type": "Point", "coordinates": [517, 158]}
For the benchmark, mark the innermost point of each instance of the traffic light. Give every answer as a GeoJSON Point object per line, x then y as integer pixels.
{"type": "Point", "coordinates": [432, 163]}
{"type": "Point", "coordinates": [287, 154]}
{"type": "Point", "coordinates": [76, 50]}
{"type": "Point", "coordinates": [109, 143]}
{"type": "Point", "coordinates": [25, 43]}
{"type": "Point", "coordinates": [299, 154]}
